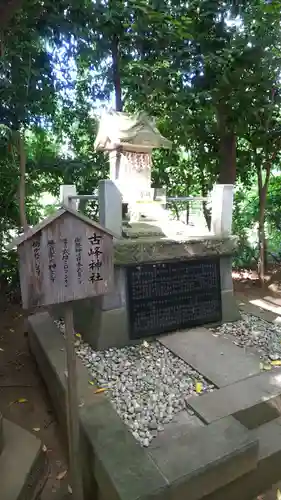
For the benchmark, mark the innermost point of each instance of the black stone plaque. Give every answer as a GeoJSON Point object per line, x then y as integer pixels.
{"type": "Point", "coordinates": [173, 295]}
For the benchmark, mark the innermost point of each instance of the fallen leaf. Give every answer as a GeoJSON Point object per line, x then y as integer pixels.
{"type": "Point", "coordinates": [21, 400]}
{"type": "Point", "coordinates": [11, 330]}
{"type": "Point", "coordinates": [44, 448]}
{"type": "Point", "coordinates": [91, 382]}
{"type": "Point", "coordinates": [36, 429]}
{"type": "Point", "coordinates": [278, 494]}
{"type": "Point", "coordinates": [145, 343]}
{"type": "Point", "coordinates": [61, 475]}
{"type": "Point", "coordinates": [265, 366]}
{"type": "Point", "coordinates": [2, 350]}
{"type": "Point", "coordinates": [78, 335]}
{"type": "Point", "coordinates": [69, 489]}
{"type": "Point", "coordinates": [101, 389]}
{"type": "Point", "coordinates": [277, 362]}
{"type": "Point", "coordinates": [198, 387]}
{"type": "Point", "coordinates": [81, 404]}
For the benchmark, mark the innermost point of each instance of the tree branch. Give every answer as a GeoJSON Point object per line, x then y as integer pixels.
{"type": "Point", "coordinates": [7, 9]}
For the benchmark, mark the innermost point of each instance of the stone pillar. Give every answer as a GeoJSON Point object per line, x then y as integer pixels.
{"type": "Point", "coordinates": [67, 190]}
{"type": "Point", "coordinates": [110, 206]}
{"type": "Point", "coordinates": [222, 206]}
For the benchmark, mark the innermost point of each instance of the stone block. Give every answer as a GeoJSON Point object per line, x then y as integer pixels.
{"type": "Point", "coordinates": [111, 331]}
{"type": "Point", "coordinates": [22, 463]}
{"type": "Point", "coordinates": [135, 475]}
{"type": "Point", "coordinates": [47, 346]}
{"type": "Point", "coordinates": [217, 358]}
{"type": "Point", "coordinates": [127, 251]}
{"type": "Point", "coordinates": [117, 298]}
{"type": "Point", "coordinates": [253, 401]}
{"type": "Point", "coordinates": [222, 207]}
{"type": "Point", "coordinates": [229, 307]}
{"type": "Point", "coordinates": [110, 207]}
{"type": "Point", "coordinates": [181, 424]}
{"type": "Point", "coordinates": [226, 272]}
{"type": "Point", "coordinates": [259, 480]}
{"type": "Point", "coordinates": [204, 460]}
{"type": "Point", "coordinates": [104, 437]}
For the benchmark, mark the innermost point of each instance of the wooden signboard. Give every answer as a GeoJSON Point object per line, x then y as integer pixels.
{"type": "Point", "coordinates": [66, 257]}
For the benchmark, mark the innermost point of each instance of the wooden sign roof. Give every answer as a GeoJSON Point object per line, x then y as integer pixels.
{"type": "Point", "coordinates": [64, 258]}
{"type": "Point", "coordinates": [49, 220]}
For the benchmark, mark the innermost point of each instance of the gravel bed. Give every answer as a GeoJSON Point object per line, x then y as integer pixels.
{"type": "Point", "coordinates": [147, 384]}
{"type": "Point", "coordinates": [252, 331]}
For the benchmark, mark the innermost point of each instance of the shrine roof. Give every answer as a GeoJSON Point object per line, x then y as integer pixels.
{"type": "Point", "coordinates": [121, 129]}
{"type": "Point", "coordinates": [49, 220]}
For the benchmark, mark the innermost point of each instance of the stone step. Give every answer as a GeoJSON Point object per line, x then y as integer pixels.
{"type": "Point", "coordinates": [1, 433]}
{"type": "Point", "coordinates": [253, 402]}
{"type": "Point", "coordinates": [181, 424]}
{"type": "Point", "coordinates": [200, 462]}
{"type": "Point", "coordinates": [217, 358]}
{"type": "Point", "coordinates": [266, 474]}
{"type": "Point", "coordinates": [22, 463]}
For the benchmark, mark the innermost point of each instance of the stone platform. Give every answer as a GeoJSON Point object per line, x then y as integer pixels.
{"type": "Point", "coordinates": [219, 452]}
{"type": "Point", "coordinates": [104, 321]}
{"type": "Point", "coordinates": [23, 463]}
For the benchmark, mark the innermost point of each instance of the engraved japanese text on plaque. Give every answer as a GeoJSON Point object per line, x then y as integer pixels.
{"type": "Point", "coordinates": [173, 295]}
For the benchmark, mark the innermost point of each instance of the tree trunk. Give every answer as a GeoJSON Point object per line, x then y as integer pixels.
{"type": "Point", "coordinates": [262, 188]}
{"type": "Point", "coordinates": [187, 212]}
{"type": "Point", "coordinates": [7, 10]}
{"type": "Point", "coordinates": [22, 161]}
{"type": "Point", "coordinates": [204, 194]}
{"type": "Point", "coordinates": [227, 146]}
{"type": "Point", "coordinates": [116, 73]}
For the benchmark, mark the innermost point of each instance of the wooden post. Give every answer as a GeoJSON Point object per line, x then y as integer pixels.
{"type": "Point", "coordinates": [72, 409]}
{"type": "Point", "coordinates": [64, 258]}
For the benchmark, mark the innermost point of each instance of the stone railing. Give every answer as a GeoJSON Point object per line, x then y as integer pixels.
{"type": "Point", "coordinates": [214, 211]}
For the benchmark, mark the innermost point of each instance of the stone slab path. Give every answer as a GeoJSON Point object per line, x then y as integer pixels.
{"type": "Point", "coordinates": [217, 358]}
{"type": "Point", "coordinates": [198, 463]}
{"type": "Point", "coordinates": [253, 401]}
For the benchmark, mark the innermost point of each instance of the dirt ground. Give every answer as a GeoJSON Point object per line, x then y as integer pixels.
{"type": "Point", "coordinates": [23, 398]}
{"type": "Point", "coordinates": [24, 401]}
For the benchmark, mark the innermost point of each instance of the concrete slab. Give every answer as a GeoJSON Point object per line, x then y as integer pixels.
{"type": "Point", "coordinates": [251, 305]}
{"type": "Point", "coordinates": [182, 423]}
{"type": "Point", "coordinates": [204, 460]}
{"type": "Point", "coordinates": [253, 402]}
{"type": "Point", "coordinates": [217, 358]}
{"type": "Point", "coordinates": [22, 463]}
{"type": "Point", "coordinates": [267, 473]}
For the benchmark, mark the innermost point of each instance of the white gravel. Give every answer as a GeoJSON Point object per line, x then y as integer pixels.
{"type": "Point", "coordinates": [252, 331]}
{"type": "Point", "coordinates": [147, 384]}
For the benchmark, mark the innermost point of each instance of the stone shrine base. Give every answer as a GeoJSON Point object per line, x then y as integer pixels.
{"type": "Point", "coordinates": [104, 321]}
{"type": "Point", "coordinates": [230, 448]}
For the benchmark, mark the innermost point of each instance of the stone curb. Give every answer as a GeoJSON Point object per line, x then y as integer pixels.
{"type": "Point", "coordinates": [123, 471]}
{"type": "Point", "coordinates": [115, 466]}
